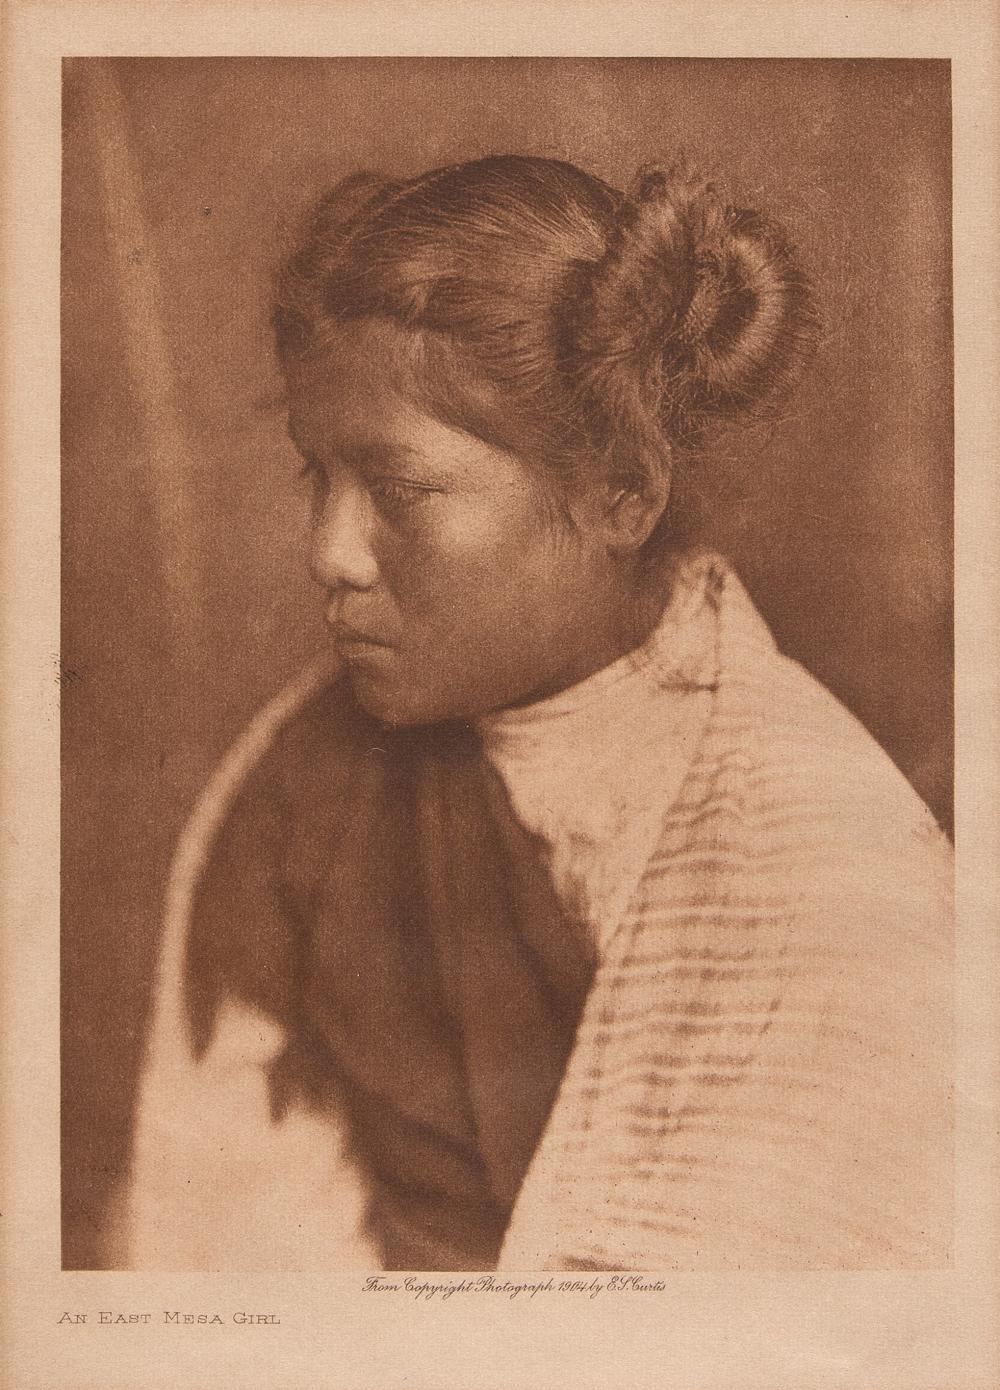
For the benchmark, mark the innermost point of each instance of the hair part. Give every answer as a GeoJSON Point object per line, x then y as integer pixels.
{"type": "Point", "coordinates": [591, 331]}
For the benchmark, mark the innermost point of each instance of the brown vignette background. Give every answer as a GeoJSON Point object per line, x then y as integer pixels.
{"type": "Point", "coordinates": [185, 598]}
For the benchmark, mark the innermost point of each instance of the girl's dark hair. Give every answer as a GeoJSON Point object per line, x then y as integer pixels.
{"type": "Point", "coordinates": [555, 316]}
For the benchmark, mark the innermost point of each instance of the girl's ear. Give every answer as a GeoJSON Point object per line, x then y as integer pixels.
{"type": "Point", "coordinates": [634, 505]}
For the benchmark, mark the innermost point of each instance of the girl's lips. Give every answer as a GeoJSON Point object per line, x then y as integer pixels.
{"type": "Point", "coordinates": [350, 639]}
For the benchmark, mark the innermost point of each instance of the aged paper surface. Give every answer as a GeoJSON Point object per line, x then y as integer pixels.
{"type": "Point", "coordinates": [75, 1325]}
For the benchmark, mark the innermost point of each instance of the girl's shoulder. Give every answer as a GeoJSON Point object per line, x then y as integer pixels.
{"type": "Point", "coordinates": [800, 749]}
{"type": "Point", "coordinates": [791, 804]}
{"type": "Point", "coordinates": [814, 754]}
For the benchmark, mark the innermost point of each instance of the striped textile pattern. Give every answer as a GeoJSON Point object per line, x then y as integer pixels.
{"type": "Point", "coordinates": [761, 1078]}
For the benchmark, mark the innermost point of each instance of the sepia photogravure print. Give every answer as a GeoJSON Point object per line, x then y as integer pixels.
{"type": "Point", "coordinates": [506, 670]}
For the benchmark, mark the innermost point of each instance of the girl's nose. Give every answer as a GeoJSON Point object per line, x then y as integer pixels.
{"type": "Point", "coordinates": [341, 553]}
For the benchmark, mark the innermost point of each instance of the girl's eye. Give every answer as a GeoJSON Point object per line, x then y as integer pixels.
{"type": "Point", "coordinates": [400, 494]}
{"type": "Point", "coordinates": [391, 495]}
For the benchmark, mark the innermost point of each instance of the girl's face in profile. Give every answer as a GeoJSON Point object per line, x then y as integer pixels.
{"type": "Point", "coordinates": [455, 584]}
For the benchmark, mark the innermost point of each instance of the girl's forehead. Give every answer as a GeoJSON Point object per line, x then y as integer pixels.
{"type": "Point", "coordinates": [359, 401]}
{"type": "Point", "coordinates": [350, 378]}
{"type": "Point", "coordinates": [374, 370]}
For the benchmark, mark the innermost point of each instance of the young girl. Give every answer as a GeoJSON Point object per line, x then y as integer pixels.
{"type": "Point", "coordinates": [560, 921]}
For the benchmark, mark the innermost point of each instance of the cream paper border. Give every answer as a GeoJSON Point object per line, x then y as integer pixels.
{"type": "Point", "coordinates": [863, 1331]}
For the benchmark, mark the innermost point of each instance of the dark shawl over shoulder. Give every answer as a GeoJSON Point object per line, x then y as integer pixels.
{"type": "Point", "coordinates": [373, 892]}
{"type": "Point", "coordinates": [760, 1078]}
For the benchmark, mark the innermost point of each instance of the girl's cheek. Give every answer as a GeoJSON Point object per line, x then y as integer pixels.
{"type": "Point", "coordinates": [472, 541]}
{"type": "Point", "coordinates": [492, 531]}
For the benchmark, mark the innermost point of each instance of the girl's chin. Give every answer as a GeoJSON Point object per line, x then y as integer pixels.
{"type": "Point", "coordinates": [392, 702]}
{"type": "Point", "coordinates": [393, 692]}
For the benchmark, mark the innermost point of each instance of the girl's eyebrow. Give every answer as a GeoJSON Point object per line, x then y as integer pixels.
{"type": "Point", "coordinates": [373, 455]}
{"type": "Point", "coordinates": [412, 463]}
{"type": "Point", "coordinates": [362, 452]}
{"type": "Point", "coordinates": [367, 454]}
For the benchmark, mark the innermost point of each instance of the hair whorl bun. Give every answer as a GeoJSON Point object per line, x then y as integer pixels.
{"type": "Point", "coordinates": [696, 313]}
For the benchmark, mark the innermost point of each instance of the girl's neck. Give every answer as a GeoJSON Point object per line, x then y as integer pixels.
{"type": "Point", "coordinates": [635, 606]}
